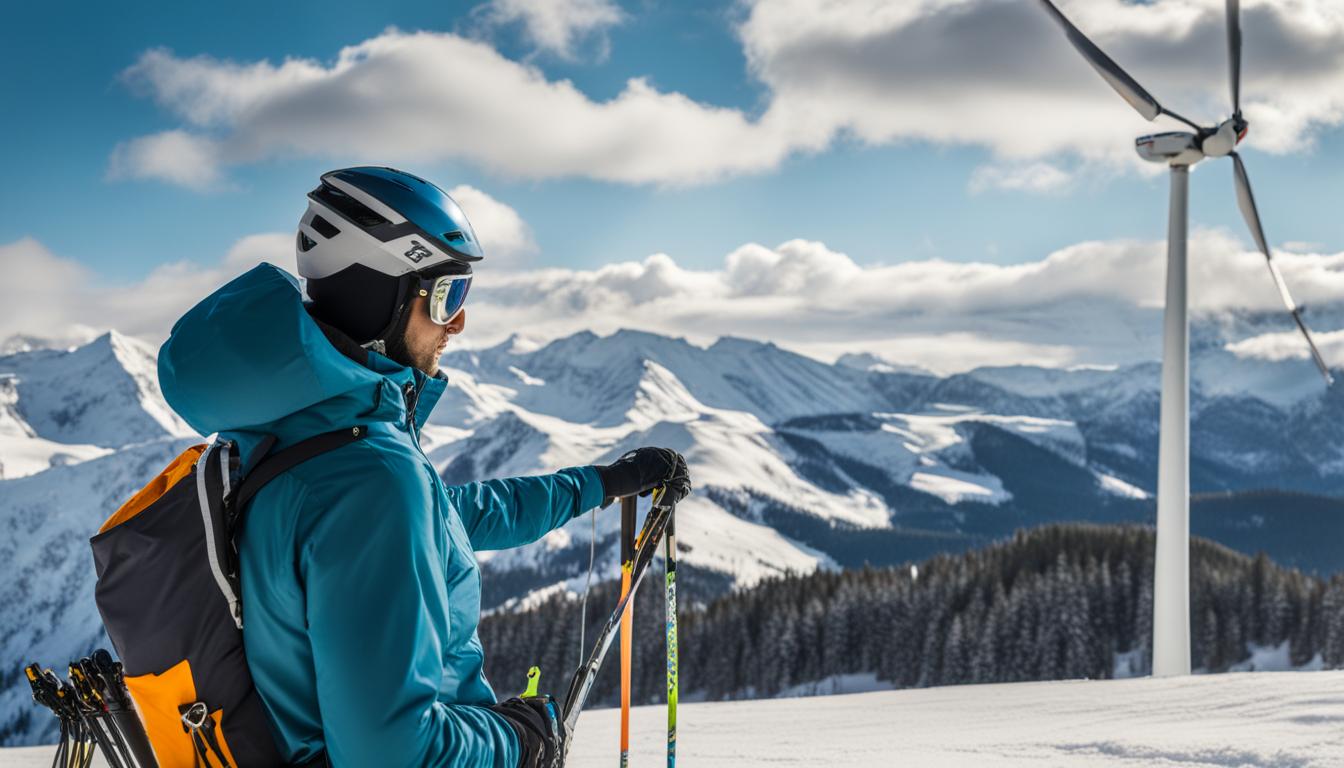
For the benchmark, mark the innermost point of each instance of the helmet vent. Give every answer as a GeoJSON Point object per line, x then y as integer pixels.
{"type": "Point", "coordinates": [348, 206]}
{"type": "Point", "coordinates": [305, 242]}
{"type": "Point", "coordinates": [325, 228]}
{"type": "Point", "coordinates": [456, 236]}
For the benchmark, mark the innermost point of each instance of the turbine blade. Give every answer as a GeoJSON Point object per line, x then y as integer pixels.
{"type": "Point", "coordinates": [1246, 201]}
{"type": "Point", "coordinates": [1234, 52]}
{"type": "Point", "coordinates": [1311, 344]}
{"type": "Point", "coordinates": [1128, 88]}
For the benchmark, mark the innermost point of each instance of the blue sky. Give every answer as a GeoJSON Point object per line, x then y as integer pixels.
{"type": "Point", "coordinates": [878, 204]}
{"type": "Point", "coordinates": [872, 188]}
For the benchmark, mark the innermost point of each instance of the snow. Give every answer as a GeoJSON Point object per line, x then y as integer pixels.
{"type": "Point", "coordinates": [836, 684]}
{"type": "Point", "coordinates": [531, 381]}
{"type": "Point", "coordinates": [22, 452]}
{"type": "Point", "coordinates": [1262, 720]}
{"type": "Point", "coordinates": [1275, 658]}
{"type": "Point", "coordinates": [1129, 664]}
{"type": "Point", "coordinates": [940, 431]}
{"type": "Point", "coordinates": [23, 456]}
{"type": "Point", "coordinates": [749, 552]}
{"type": "Point", "coordinates": [954, 486]}
{"type": "Point", "coordinates": [1119, 487]}
{"type": "Point", "coordinates": [104, 393]}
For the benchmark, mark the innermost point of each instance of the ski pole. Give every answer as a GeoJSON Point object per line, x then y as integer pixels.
{"type": "Point", "coordinates": [628, 508]}
{"type": "Point", "coordinates": [121, 709]}
{"type": "Point", "coordinates": [92, 711]}
{"type": "Point", "coordinates": [670, 610]}
{"type": "Point", "coordinates": [646, 544]}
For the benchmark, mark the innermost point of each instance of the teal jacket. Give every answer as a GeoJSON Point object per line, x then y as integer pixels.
{"type": "Point", "coordinates": [361, 592]}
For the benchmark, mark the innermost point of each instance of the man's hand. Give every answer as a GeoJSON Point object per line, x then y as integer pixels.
{"type": "Point", "coordinates": [642, 470]}
{"type": "Point", "coordinates": [541, 732]}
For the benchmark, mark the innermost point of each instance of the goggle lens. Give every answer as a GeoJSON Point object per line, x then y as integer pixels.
{"type": "Point", "coordinates": [447, 297]}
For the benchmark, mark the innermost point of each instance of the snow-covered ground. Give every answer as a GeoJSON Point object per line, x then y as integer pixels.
{"type": "Point", "coordinates": [1260, 720]}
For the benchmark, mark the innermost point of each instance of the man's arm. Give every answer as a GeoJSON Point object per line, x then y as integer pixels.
{"type": "Point", "coordinates": [378, 616]}
{"type": "Point", "coordinates": [501, 514]}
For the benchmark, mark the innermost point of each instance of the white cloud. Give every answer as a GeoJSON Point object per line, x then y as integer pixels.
{"type": "Point", "coordinates": [1301, 246]}
{"type": "Point", "coordinates": [38, 293]}
{"type": "Point", "coordinates": [556, 26]}
{"type": "Point", "coordinates": [506, 238]}
{"type": "Point", "coordinates": [54, 297]}
{"type": "Point", "coordinates": [1000, 73]}
{"type": "Point", "coordinates": [421, 97]}
{"type": "Point", "coordinates": [1288, 345]}
{"type": "Point", "coordinates": [1019, 177]}
{"type": "Point", "coordinates": [988, 73]}
{"type": "Point", "coordinates": [1091, 303]}
{"type": "Point", "coordinates": [175, 156]}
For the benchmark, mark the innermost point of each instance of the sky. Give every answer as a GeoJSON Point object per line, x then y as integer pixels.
{"type": "Point", "coordinates": [942, 182]}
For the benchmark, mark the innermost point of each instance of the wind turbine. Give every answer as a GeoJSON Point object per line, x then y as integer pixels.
{"type": "Point", "coordinates": [1180, 150]}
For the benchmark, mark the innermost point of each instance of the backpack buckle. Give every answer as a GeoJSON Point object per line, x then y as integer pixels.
{"type": "Point", "coordinates": [195, 715]}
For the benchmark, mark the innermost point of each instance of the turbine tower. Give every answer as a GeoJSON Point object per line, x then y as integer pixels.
{"type": "Point", "coordinates": [1180, 150]}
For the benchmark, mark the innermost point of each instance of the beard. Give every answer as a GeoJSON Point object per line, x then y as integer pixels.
{"type": "Point", "coordinates": [425, 359]}
{"type": "Point", "coordinates": [401, 349]}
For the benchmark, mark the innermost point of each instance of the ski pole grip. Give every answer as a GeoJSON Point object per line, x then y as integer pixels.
{"type": "Point", "coordinates": [533, 682]}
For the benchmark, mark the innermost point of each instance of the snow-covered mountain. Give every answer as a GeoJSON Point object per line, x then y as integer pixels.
{"type": "Point", "coordinates": [61, 406]}
{"type": "Point", "coordinates": [797, 464]}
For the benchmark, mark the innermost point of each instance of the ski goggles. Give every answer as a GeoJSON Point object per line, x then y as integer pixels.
{"type": "Point", "coordinates": [446, 294]}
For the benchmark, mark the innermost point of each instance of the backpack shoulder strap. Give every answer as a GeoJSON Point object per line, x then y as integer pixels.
{"type": "Point", "coordinates": [271, 467]}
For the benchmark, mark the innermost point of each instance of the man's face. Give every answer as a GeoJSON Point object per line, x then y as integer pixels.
{"type": "Point", "coordinates": [426, 341]}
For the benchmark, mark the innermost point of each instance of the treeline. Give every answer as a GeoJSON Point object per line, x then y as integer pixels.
{"type": "Point", "coordinates": [1058, 602]}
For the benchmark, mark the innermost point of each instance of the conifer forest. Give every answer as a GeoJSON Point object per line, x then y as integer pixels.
{"type": "Point", "coordinates": [1058, 602]}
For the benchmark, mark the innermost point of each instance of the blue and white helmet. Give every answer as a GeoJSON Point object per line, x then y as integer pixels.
{"type": "Point", "coordinates": [367, 235]}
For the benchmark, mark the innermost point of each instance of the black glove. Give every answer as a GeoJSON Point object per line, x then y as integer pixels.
{"type": "Point", "coordinates": [642, 470]}
{"type": "Point", "coordinates": [541, 732]}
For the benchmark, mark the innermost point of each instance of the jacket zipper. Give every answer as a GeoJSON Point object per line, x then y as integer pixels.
{"type": "Point", "coordinates": [411, 392]}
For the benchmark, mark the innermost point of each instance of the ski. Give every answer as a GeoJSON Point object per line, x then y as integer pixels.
{"type": "Point", "coordinates": [646, 544]}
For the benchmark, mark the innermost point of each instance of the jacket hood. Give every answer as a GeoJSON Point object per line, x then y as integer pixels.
{"type": "Point", "coordinates": [248, 358]}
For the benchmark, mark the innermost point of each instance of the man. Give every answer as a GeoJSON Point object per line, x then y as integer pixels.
{"type": "Point", "coordinates": [361, 592]}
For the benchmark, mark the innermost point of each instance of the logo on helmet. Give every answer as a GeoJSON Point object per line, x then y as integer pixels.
{"type": "Point", "coordinates": [418, 252]}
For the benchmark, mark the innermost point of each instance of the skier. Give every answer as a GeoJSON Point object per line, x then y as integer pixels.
{"type": "Point", "coordinates": [361, 591]}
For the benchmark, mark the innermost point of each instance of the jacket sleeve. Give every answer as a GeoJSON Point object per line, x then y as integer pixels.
{"type": "Point", "coordinates": [501, 514]}
{"type": "Point", "coordinates": [378, 616]}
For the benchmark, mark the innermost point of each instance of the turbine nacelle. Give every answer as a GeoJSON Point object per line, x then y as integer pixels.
{"type": "Point", "coordinates": [1225, 137]}
{"type": "Point", "coordinates": [1171, 148]}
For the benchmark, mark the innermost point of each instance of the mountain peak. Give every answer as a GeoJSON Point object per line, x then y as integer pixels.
{"type": "Point", "coordinates": [739, 345]}
{"type": "Point", "coordinates": [104, 393]}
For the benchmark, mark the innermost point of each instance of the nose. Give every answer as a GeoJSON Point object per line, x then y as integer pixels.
{"type": "Point", "coordinates": [458, 323]}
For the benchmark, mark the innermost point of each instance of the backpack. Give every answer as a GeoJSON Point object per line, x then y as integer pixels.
{"type": "Point", "coordinates": [168, 592]}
